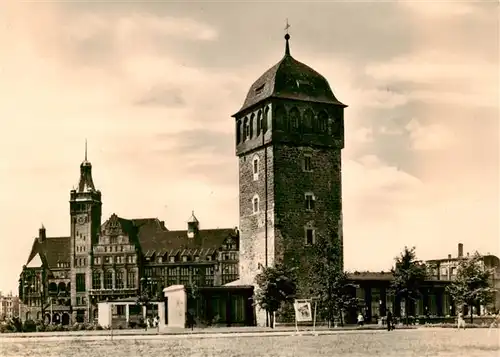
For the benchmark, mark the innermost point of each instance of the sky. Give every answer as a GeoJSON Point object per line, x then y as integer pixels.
{"type": "Point", "coordinates": [152, 87]}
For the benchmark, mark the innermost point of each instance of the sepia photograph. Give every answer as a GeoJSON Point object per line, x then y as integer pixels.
{"type": "Point", "coordinates": [250, 178]}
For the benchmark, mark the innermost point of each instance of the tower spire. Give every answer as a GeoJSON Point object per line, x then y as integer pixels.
{"type": "Point", "coordinates": [85, 149]}
{"type": "Point", "coordinates": [287, 37]}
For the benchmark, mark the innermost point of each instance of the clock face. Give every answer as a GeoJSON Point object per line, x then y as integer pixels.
{"type": "Point", "coordinates": [81, 219]}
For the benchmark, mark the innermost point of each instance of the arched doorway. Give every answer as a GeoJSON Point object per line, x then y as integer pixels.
{"type": "Point", "coordinates": [56, 318]}
{"type": "Point", "coordinates": [65, 319]}
{"type": "Point", "coordinates": [38, 315]}
{"type": "Point", "coordinates": [47, 319]}
{"type": "Point", "coordinates": [28, 316]}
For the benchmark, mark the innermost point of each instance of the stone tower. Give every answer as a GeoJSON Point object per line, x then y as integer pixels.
{"type": "Point", "coordinates": [85, 211]}
{"type": "Point", "coordinates": [289, 137]}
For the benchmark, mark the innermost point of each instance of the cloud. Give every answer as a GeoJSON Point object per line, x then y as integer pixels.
{"type": "Point", "coordinates": [162, 96]}
{"type": "Point", "coordinates": [152, 87]}
{"type": "Point", "coordinates": [430, 137]}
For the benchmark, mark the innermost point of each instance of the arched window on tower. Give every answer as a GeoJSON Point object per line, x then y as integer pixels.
{"type": "Point", "coordinates": [336, 127]}
{"type": "Point", "coordinates": [280, 118]}
{"type": "Point", "coordinates": [252, 122]}
{"type": "Point", "coordinates": [255, 167]}
{"type": "Point", "coordinates": [259, 123]}
{"type": "Point", "coordinates": [265, 120]}
{"type": "Point", "coordinates": [322, 122]}
{"type": "Point", "coordinates": [238, 131]}
{"type": "Point", "coordinates": [308, 121]}
{"type": "Point", "coordinates": [255, 203]}
{"type": "Point", "coordinates": [294, 119]}
{"type": "Point", "coordinates": [246, 130]}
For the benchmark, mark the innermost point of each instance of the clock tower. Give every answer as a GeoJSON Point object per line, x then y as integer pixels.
{"type": "Point", "coordinates": [85, 212]}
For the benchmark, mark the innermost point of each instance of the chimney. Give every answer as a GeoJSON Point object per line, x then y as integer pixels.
{"type": "Point", "coordinates": [460, 250]}
{"type": "Point", "coordinates": [449, 256]}
{"type": "Point", "coordinates": [41, 234]}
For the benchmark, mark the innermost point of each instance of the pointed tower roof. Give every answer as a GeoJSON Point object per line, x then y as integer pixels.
{"type": "Point", "coordinates": [193, 218]}
{"type": "Point", "coordinates": [86, 183]}
{"type": "Point", "coordinates": [290, 79]}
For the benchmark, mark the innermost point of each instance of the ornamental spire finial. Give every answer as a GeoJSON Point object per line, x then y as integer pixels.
{"type": "Point", "coordinates": [287, 37]}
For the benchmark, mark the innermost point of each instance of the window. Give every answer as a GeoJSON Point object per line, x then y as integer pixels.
{"type": "Point", "coordinates": [209, 276]}
{"type": "Point", "coordinates": [172, 276]}
{"type": "Point", "coordinates": [307, 163]}
{"type": "Point", "coordinates": [309, 236]}
{"type": "Point", "coordinates": [108, 280]}
{"type": "Point", "coordinates": [238, 132]}
{"type": "Point", "coordinates": [108, 260]}
{"type": "Point", "coordinates": [172, 259]}
{"type": "Point", "coordinates": [259, 122]}
{"type": "Point", "coordinates": [184, 278]}
{"type": "Point", "coordinates": [309, 200]}
{"type": "Point", "coordinates": [120, 284]}
{"type": "Point", "coordinates": [80, 282]}
{"type": "Point", "coordinates": [255, 204]}
{"type": "Point", "coordinates": [255, 167]}
{"type": "Point", "coordinates": [112, 240]}
{"type": "Point", "coordinates": [322, 122]}
{"type": "Point", "coordinates": [196, 258]}
{"type": "Point", "coordinates": [229, 273]}
{"type": "Point", "coordinates": [96, 280]}
{"type": "Point", "coordinates": [131, 279]}
{"type": "Point", "coordinates": [246, 130]}
{"type": "Point", "coordinates": [294, 119]}
{"type": "Point", "coordinates": [160, 259]}
{"type": "Point", "coordinates": [184, 258]}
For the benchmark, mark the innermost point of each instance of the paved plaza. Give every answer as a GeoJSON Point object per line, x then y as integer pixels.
{"type": "Point", "coordinates": [433, 342]}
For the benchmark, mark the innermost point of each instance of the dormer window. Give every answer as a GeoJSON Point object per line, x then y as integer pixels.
{"type": "Point", "coordinates": [160, 259]}
{"type": "Point", "coordinates": [209, 258]}
{"type": "Point", "coordinates": [196, 258]}
{"type": "Point", "coordinates": [259, 89]}
{"type": "Point", "coordinates": [172, 259]}
{"type": "Point", "coordinates": [184, 258]}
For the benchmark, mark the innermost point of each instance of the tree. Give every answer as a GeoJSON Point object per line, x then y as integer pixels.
{"type": "Point", "coordinates": [409, 274]}
{"type": "Point", "coordinates": [471, 286]}
{"type": "Point", "coordinates": [330, 284]}
{"type": "Point", "coordinates": [276, 285]}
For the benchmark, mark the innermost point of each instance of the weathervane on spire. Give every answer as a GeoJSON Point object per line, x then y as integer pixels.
{"type": "Point", "coordinates": [287, 37]}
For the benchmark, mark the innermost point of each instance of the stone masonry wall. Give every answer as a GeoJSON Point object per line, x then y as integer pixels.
{"type": "Point", "coordinates": [252, 226]}
{"type": "Point", "coordinates": [292, 218]}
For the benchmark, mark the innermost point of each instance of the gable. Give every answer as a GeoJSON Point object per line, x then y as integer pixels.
{"type": "Point", "coordinates": [35, 262]}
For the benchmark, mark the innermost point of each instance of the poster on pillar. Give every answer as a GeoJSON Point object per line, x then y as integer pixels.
{"type": "Point", "coordinates": [303, 311]}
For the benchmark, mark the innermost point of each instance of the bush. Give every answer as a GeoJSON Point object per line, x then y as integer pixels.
{"type": "Point", "coordinates": [29, 326]}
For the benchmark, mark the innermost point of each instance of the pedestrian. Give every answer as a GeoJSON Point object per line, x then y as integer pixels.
{"type": "Point", "coordinates": [460, 320]}
{"type": "Point", "coordinates": [390, 325]}
{"type": "Point", "coordinates": [361, 319]}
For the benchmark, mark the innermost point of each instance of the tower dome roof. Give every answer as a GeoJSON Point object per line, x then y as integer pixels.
{"type": "Point", "coordinates": [290, 79]}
